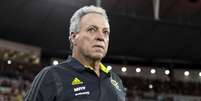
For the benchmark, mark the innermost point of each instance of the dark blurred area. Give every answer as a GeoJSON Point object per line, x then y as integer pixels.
{"type": "Point", "coordinates": [154, 45]}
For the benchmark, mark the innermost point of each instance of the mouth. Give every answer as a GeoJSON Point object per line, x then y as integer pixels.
{"type": "Point", "coordinates": [99, 46]}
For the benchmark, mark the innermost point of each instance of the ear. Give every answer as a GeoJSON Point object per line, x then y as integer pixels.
{"type": "Point", "coordinates": [73, 37]}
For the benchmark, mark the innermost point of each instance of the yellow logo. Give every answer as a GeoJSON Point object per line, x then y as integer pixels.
{"type": "Point", "coordinates": [76, 81]}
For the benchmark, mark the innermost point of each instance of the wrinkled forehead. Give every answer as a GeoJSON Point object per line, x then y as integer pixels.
{"type": "Point", "coordinates": [94, 19]}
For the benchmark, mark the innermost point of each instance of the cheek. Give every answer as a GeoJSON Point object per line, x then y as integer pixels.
{"type": "Point", "coordinates": [107, 42]}
{"type": "Point", "coordinates": [85, 41]}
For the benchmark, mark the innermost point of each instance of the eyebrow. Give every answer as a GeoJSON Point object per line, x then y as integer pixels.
{"type": "Point", "coordinates": [94, 26]}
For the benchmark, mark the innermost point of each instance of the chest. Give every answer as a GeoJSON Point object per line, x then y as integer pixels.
{"type": "Point", "coordinates": [88, 87]}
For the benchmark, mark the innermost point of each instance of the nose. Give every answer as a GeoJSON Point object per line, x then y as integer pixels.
{"type": "Point", "coordinates": [100, 36]}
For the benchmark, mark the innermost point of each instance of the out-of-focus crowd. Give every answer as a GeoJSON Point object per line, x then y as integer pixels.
{"type": "Point", "coordinates": [13, 89]}
{"type": "Point", "coordinates": [15, 79]}
{"type": "Point", "coordinates": [160, 89]}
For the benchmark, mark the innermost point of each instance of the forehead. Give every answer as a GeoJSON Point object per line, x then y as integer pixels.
{"type": "Point", "coordinates": [94, 19]}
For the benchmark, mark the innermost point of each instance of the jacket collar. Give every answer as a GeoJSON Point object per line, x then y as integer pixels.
{"type": "Point", "coordinates": [75, 64]}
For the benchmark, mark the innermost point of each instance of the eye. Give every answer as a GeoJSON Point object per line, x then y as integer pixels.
{"type": "Point", "coordinates": [92, 29]}
{"type": "Point", "coordinates": [106, 32]}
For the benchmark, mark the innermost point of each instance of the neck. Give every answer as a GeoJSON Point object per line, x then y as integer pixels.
{"type": "Point", "coordinates": [84, 60]}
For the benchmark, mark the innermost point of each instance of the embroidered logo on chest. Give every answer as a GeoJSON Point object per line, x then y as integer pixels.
{"type": "Point", "coordinates": [78, 87]}
{"type": "Point", "coordinates": [115, 84]}
{"type": "Point", "coordinates": [76, 81]}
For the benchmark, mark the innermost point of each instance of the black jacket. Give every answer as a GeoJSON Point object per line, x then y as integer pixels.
{"type": "Point", "coordinates": [71, 81]}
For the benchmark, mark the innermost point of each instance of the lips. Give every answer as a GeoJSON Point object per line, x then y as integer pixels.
{"type": "Point", "coordinates": [99, 46]}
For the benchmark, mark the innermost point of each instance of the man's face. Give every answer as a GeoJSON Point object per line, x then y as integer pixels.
{"type": "Point", "coordinates": [93, 38]}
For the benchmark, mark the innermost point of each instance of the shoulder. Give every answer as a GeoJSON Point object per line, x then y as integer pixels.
{"type": "Point", "coordinates": [115, 76]}
{"type": "Point", "coordinates": [117, 79]}
{"type": "Point", "coordinates": [54, 73]}
{"type": "Point", "coordinates": [44, 75]}
{"type": "Point", "coordinates": [117, 82]}
{"type": "Point", "coordinates": [53, 68]}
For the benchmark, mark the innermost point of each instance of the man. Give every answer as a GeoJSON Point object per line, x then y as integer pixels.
{"type": "Point", "coordinates": [82, 77]}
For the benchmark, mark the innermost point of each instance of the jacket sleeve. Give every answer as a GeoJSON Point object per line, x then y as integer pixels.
{"type": "Point", "coordinates": [43, 87]}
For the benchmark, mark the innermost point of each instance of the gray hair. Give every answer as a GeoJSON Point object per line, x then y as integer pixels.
{"type": "Point", "coordinates": [75, 19]}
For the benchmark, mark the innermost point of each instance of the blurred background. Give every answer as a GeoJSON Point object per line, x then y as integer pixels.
{"type": "Point", "coordinates": [155, 45]}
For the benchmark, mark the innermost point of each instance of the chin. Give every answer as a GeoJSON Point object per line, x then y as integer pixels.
{"type": "Point", "coordinates": [97, 56]}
